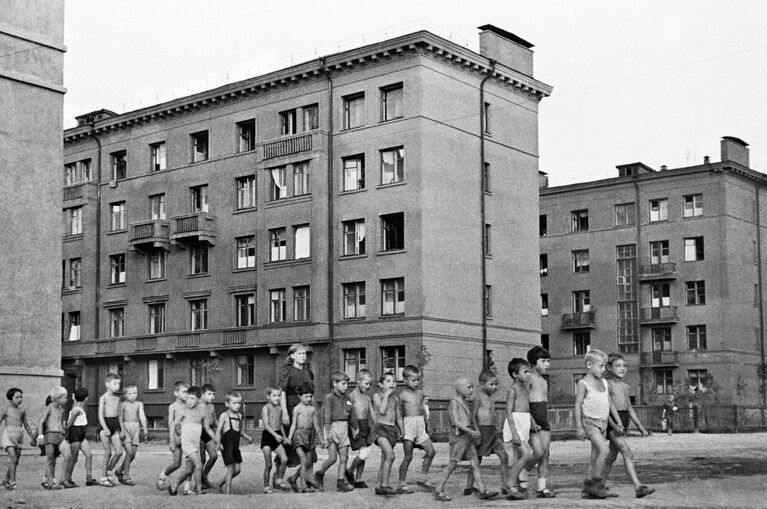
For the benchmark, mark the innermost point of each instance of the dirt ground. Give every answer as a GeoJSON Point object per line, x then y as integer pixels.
{"type": "Point", "coordinates": [687, 470]}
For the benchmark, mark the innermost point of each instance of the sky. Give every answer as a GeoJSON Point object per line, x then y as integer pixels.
{"type": "Point", "coordinates": [654, 81]}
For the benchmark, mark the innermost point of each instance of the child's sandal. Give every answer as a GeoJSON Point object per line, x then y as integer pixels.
{"type": "Point", "coordinates": [441, 497]}
{"type": "Point", "coordinates": [268, 490]}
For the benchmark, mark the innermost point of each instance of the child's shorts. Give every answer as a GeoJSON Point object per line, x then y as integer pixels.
{"type": "Point", "coordinates": [113, 425]}
{"type": "Point", "coordinates": [77, 433]}
{"type": "Point", "coordinates": [522, 424]}
{"type": "Point", "coordinates": [415, 429]}
{"type": "Point", "coordinates": [591, 426]}
{"type": "Point", "coordinates": [490, 443]}
{"type": "Point", "coordinates": [268, 440]}
{"type": "Point", "coordinates": [306, 439]}
{"type": "Point", "coordinates": [363, 438]}
{"type": "Point", "coordinates": [54, 438]}
{"type": "Point", "coordinates": [462, 448]}
{"type": "Point", "coordinates": [231, 450]}
{"type": "Point", "coordinates": [387, 432]}
{"type": "Point", "coordinates": [132, 430]}
{"type": "Point", "coordinates": [339, 433]}
{"type": "Point", "coordinates": [13, 436]}
{"type": "Point", "coordinates": [540, 413]}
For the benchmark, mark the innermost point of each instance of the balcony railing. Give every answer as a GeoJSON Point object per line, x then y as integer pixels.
{"type": "Point", "coordinates": [82, 190]}
{"type": "Point", "coordinates": [660, 358]}
{"type": "Point", "coordinates": [287, 146]}
{"type": "Point", "coordinates": [656, 271]}
{"type": "Point", "coordinates": [575, 321]}
{"type": "Point", "coordinates": [234, 337]}
{"type": "Point", "coordinates": [194, 227]}
{"type": "Point", "coordinates": [106, 346]}
{"type": "Point", "coordinates": [146, 344]}
{"type": "Point", "coordinates": [188, 340]}
{"type": "Point", "coordinates": [149, 234]}
{"type": "Point", "coordinates": [658, 315]}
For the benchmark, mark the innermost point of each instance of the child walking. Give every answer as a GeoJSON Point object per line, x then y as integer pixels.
{"type": "Point", "coordinates": [519, 422]}
{"type": "Point", "coordinates": [273, 439]}
{"type": "Point", "coordinates": [540, 361]}
{"type": "Point", "coordinates": [338, 417]}
{"type": "Point", "coordinates": [304, 430]}
{"type": "Point", "coordinates": [179, 391]}
{"type": "Point", "coordinates": [669, 414]}
{"type": "Point", "coordinates": [619, 395]}
{"type": "Point", "coordinates": [109, 406]}
{"type": "Point", "coordinates": [132, 421]}
{"type": "Point", "coordinates": [209, 447]}
{"type": "Point", "coordinates": [51, 435]}
{"type": "Point", "coordinates": [387, 428]}
{"type": "Point", "coordinates": [77, 427]}
{"type": "Point", "coordinates": [592, 409]}
{"type": "Point", "coordinates": [415, 414]}
{"type": "Point", "coordinates": [15, 419]}
{"type": "Point", "coordinates": [228, 434]}
{"type": "Point", "coordinates": [361, 402]}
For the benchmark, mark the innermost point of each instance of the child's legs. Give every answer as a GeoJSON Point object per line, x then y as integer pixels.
{"type": "Point", "coordinates": [541, 442]}
{"type": "Point", "coordinates": [332, 457]}
{"type": "Point", "coordinates": [407, 449]}
{"type": "Point", "coordinates": [429, 453]}
{"type": "Point", "coordinates": [612, 440]}
{"type": "Point", "coordinates": [85, 446]}
{"type": "Point", "coordinates": [504, 458]}
{"type": "Point", "coordinates": [599, 452]}
{"type": "Point", "coordinates": [69, 466]}
{"type": "Point", "coordinates": [282, 463]}
{"type": "Point", "coordinates": [118, 451]}
{"type": "Point", "coordinates": [13, 461]}
{"type": "Point", "coordinates": [358, 465]}
{"type": "Point", "coordinates": [180, 474]}
{"type": "Point", "coordinates": [628, 460]}
{"type": "Point", "coordinates": [196, 461]}
{"type": "Point", "coordinates": [387, 459]}
{"type": "Point", "coordinates": [470, 475]}
{"type": "Point", "coordinates": [106, 443]}
{"type": "Point", "coordinates": [305, 469]}
{"type": "Point", "coordinates": [177, 457]}
{"type": "Point", "coordinates": [343, 459]}
{"type": "Point", "coordinates": [477, 476]}
{"type": "Point", "coordinates": [523, 454]}
{"type": "Point", "coordinates": [130, 453]}
{"type": "Point", "coordinates": [50, 464]}
{"type": "Point", "coordinates": [446, 475]}
{"type": "Point", "coordinates": [212, 457]}
{"type": "Point", "coordinates": [267, 464]}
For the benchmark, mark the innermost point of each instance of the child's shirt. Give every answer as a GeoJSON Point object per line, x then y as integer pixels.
{"type": "Point", "coordinates": [460, 414]}
{"type": "Point", "coordinates": [338, 407]}
{"type": "Point", "coordinates": [596, 403]}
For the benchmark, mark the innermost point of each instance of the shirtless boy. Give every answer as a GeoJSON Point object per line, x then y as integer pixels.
{"type": "Point", "coordinates": [387, 428]}
{"type": "Point", "coordinates": [519, 423]}
{"type": "Point", "coordinates": [484, 412]}
{"type": "Point", "coordinates": [415, 413]}
{"type": "Point", "coordinates": [304, 430]}
{"type": "Point", "coordinates": [50, 429]}
{"type": "Point", "coordinates": [15, 419]}
{"type": "Point", "coordinates": [208, 444]}
{"type": "Point", "coordinates": [179, 391]}
{"type": "Point", "coordinates": [132, 420]}
{"type": "Point", "coordinates": [109, 407]}
{"type": "Point", "coordinates": [361, 401]}
{"type": "Point", "coordinates": [540, 361]}
{"type": "Point", "coordinates": [273, 439]}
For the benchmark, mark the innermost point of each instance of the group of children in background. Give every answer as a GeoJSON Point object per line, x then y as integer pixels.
{"type": "Point", "coordinates": [353, 421]}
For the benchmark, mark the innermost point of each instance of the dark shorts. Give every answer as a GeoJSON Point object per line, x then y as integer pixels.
{"type": "Point", "coordinates": [540, 412]}
{"type": "Point", "coordinates": [306, 439]}
{"type": "Point", "coordinates": [113, 425]}
{"type": "Point", "coordinates": [462, 448]}
{"type": "Point", "coordinates": [204, 437]}
{"type": "Point", "coordinates": [625, 421]}
{"type": "Point", "coordinates": [364, 437]}
{"type": "Point", "coordinates": [387, 432]}
{"type": "Point", "coordinates": [268, 440]}
{"type": "Point", "coordinates": [491, 442]}
{"type": "Point", "coordinates": [231, 450]}
{"type": "Point", "coordinates": [77, 433]}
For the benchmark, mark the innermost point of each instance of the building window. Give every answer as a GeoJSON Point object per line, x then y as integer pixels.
{"type": "Point", "coordinates": [659, 210]}
{"type": "Point", "coordinates": [75, 271]}
{"type": "Point", "coordinates": [696, 337]}
{"type": "Point", "coordinates": [393, 360]}
{"type": "Point", "coordinates": [354, 173]}
{"type": "Point", "coordinates": [157, 206]}
{"type": "Point", "coordinates": [543, 225]}
{"type": "Point", "coordinates": [311, 117]}
{"type": "Point", "coordinates": [581, 343]}
{"type": "Point", "coordinates": [278, 245]}
{"type": "Point", "coordinates": [246, 192]}
{"type": "Point", "coordinates": [693, 205]}
{"type": "Point", "coordinates": [119, 164]}
{"type": "Point", "coordinates": [579, 220]}
{"type": "Point", "coordinates": [697, 378]}
{"type": "Point", "coordinates": [693, 249]}
{"type": "Point", "coordinates": [627, 299]}
{"type": "Point", "coordinates": [301, 304]}
{"type": "Point", "coordinates": [198, 259]}
{"type": "Point", "coordinates": [354, 300]}
{"type": "Point", "coordinates": [277, 305]}
{"type": "Point", "coordinates": [157, 156]}
{"type": "Point", "coordinates": [625, 214]}
{"type": "Point", "coordinates": [696, 292]}
{"type": "Point", "coordinates": [391, 102]}
{"type": "Point", "coordinates": [545, 341]}
{"type": "Point", "coordinates": [544, 304]}
{"type": "Point", "coordinates": [301, 179]}
{"type": "Point", "coordinates": [198, 314]}
{"type": "Point", "coordinates": [117, 214]}
{"type": "Point", "coordinates": [664, 381]}
{"type": "Point", "coordinates": [246, 252]}
{"type": "Point", "coordinates": [75, 173]}
{"type": "Point", "coordinates": [156, 318]}
{"type": "Point", "coordinates": [199, 146]}
{"type": "Point", "coordinates": [488, 300]}
{"type": "Point", "coordinates": [278, 188]}
{"type": "Point", "coordinates": [75, 219]}
{"type": "Point", "coordinates": [392, 165]}
{"type": "Point", "coordinates": [246, 136]}
{"type": "Point", "coordinates": [155, 374]}
{"type": "Point", "coordinates": [116, 322]}
{"type": "Point", "coordinates": [355, 359]}
{"type": "Point", "coordinates": [486, 177]}
{"type": "Point", "coordinates": [302, 241]}
{"type": "Point", "coordinates": [157, 259]}
{"type": "Point", "coordinates": [117, 269]}
{"type": "Point", "coordinates": [354, 111]}
{"type": "Point", "coordinates": [199, 196]}
{"type": "Point", "coordinates": [659, 252]}
{"type": "Point", "coordinates": [246, 370]}
{"type": "Point", "coordinates": [581, 260]}
{"type": "Point", "coordinates": [288, 122]}
{"type": "Point", "coordinates": [117, 368]}
{"type": "Point", "coordinates": [486, 116]}
{"type": "Point", "coordinates": [354, 237]}
{"type": "Point", "coordinates": [393, 296]}
{"type": "Point", "coordinates": [661, 339]}
{"type": "Point", "coordinates": [74, 326]}
{"type": "Point", "coordinates": [660, 296]}
{"type": "Point", "coordinates": [488, 238]}
{"type": "Point", "coordinates": [393, 232]}
{"type": "Point", "coordinates": [544, 264]}
{"type": "Point", "coordinates": [582, 301]}
{"type": "Point", "coordinates": [201, 370]}
{"type": "Point", "coordinates": [246, 310]}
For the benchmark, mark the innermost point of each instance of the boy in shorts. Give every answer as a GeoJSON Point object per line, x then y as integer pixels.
{"type": "Point", "coordinates": [179, 391]}
{"type": "Point", "coordinates": [228, 434]}
{"type": "Point", "coordinates": [132, 421]}
{"type": "Point", "coordinates": [518, 424]}
{"type": "Point", "coordinates": [484, 412]}
{"type": "Point", "coordinates": [540, 361]}
{"type": "Point", "coordinates": [273, 439]}
{"type": "Point", "coordinates": [109, 406]}
{"type": "Point", "coordinates": [304, 430]}
{"type": "Point", "coordinates": [208, 444]}
{"type": "Point", "coordinates": [77, 427]}
{"type": "Point", "coordinates": [387, 428]}
{"type": "Point", "coordinates": [463, 440]}
{"type": "Point", "coordinates": [338, 417]}
{"type": "Point", "coordinates": [415, 414]}
{"type": "Point", "coordinates": [360, 399]}
{"type": "Point", "coordinates": [15, 419]}
{"type": "Point", "coordinates": [51, 434]}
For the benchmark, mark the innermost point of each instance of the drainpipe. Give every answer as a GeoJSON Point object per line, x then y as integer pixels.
{"type": "Point", "coordinates": [330, 231]}
{"type": "Point", "coordinates": [97, 305]}
{"type": "Point", "coordinates": [637, 286]}
{"type": "Point", "coordinates": [483, 257]}
{"type": "Point", "coordinates": [761, 302]}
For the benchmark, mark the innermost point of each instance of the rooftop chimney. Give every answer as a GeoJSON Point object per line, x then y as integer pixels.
{"type": "Point", "coordinates": [734, 150]}
{"type": "Point", "coordinates": [543, 180]}
{"type": "Point", "coordinates": [94, 116]}
{"type": "Point", "coordinates": [506, 48]}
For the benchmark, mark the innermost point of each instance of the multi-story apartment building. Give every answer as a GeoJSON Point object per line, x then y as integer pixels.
{"type": "Point", "coordinates": [377, 204]}
{"type": "Point", "coordinates": [663, 266]}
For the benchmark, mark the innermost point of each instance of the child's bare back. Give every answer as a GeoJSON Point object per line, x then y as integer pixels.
{"type": "Point", "coordinates": [539, 388]}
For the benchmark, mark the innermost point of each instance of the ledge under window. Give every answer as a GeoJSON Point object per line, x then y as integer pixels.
{"type": "Point", "coordinates": [353, 256]}
{"type": "Point", "coordinates": [244, 210]}
{"type": "Point", "coordinates": [72, 238]}
{"type": "Point", "coordinates": [287, 263]}
{"type": "Point", "coordinates": [393, 184]}
{"type": "Point", "coordinates": [352, 191]}
{"type": "Point", "coordinates": [244, 269]}
{"type": "Point", "coordinates": [391, 252]}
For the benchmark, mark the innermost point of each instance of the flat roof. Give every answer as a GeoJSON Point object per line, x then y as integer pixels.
{"type": "Point", "coordinates": [506, 35]}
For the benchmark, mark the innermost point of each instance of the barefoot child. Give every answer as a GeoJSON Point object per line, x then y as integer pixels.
{"type": "Point", "coordinates": [109, 406]}
{"type": "Point", "coordinates": [387, 428]}
{"type": "Point", "coordinates": [208, 445]}
{"type": "Point", "coordinates": [484, 413]}
{"type": "Point", "coordinates": [338, 418]}
{"type": "Point", "coordinates": [132, 421]}
{"type": "Point", "coordinates": [15, 419]}
{"type": "Point", "coordinates": [540, 361]}
{"type": "Point", "coordinates": [361, 401]}
{"type": "Point", "coordinates": [518, 424]}
{"type": "Point", "coordinates": [228, 434]}
{"type": "Point", "coordinates": [415, 413]}
{"type": "Point", "coordinates": [77, 427]}
{"type": "Point", "coordinates": [179, 391]}
{"type": "Point", "coordinates": [51, 434]}
{"type": "Point", "coordinates": [304, 430]}
{"type": "Point", "coordinates": [592, 409]}
{"type": "Point", "coordinates": [463, 439]}
{"type": "Point", "coordinates": [273, 439]}
{"type": "Point", "coordinates": [619, 395]}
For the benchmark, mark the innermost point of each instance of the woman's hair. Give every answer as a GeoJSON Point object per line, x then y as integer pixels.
{"type": "Point", "coordinates": [293, 349]}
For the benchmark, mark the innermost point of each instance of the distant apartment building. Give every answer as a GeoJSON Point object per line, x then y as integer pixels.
{"type": "Point", "coordinates": [378, 204]}
{"type": "Point", "coordinates": [664, 267]}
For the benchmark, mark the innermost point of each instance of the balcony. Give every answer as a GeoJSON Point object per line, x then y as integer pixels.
{"type": "Point", "coordinates": [194, 228]}
{"type": "Point", "coordinates": [81, 191]}
{"type": "Point", "coordinates": [577, 321]}
{"type": "Point", "coordinates": [661, 358]}
{"type": "Point", "coordinates": [295, 144]}
{"type": "Point", "coordinates": [654, 316]}
{"type": "Point", "coordinates": [657, 271]}
{"type": "Point", "coordinates": [145, 235]}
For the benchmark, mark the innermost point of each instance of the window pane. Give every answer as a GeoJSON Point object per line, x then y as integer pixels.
{"type": "Point", "coordinates": [303, 242]}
